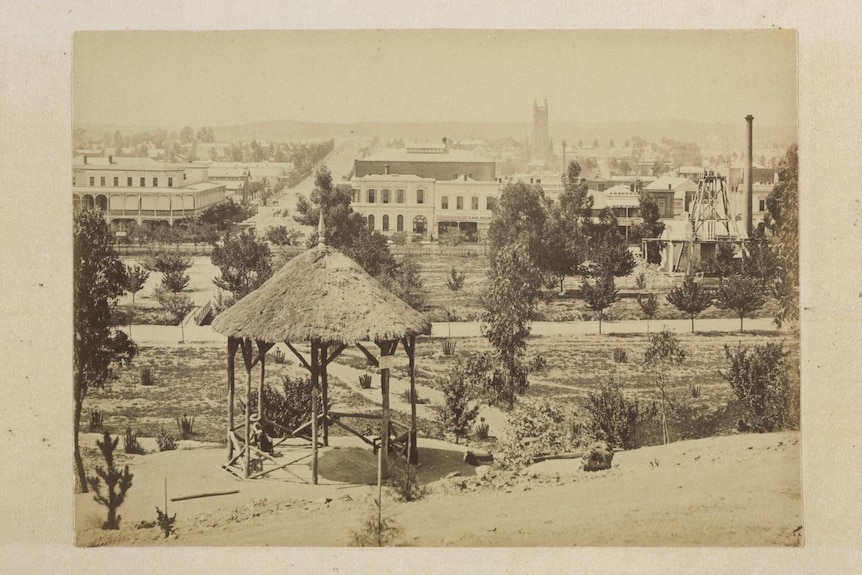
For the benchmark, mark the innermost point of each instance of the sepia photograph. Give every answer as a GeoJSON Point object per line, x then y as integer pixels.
{"type": "Point", "coordinates": [436, 288]}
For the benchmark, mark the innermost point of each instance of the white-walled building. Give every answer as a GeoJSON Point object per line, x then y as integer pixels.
{"type": "Point", "coordinates": [142, 189]}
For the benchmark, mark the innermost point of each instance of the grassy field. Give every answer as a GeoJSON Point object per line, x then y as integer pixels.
{"type": "Point", "coordinates": [191, 379]}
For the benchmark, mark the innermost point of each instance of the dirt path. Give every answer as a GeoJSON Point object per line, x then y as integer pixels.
{"type": "Point", "coordinates": [741, 490]}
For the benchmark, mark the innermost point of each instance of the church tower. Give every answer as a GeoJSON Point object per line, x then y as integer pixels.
{"type": "Point", "coordinates": [540, 145]}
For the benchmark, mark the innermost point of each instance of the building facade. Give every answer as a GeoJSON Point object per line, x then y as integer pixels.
{"type": "Point", "coordinates": [439, 162]}
{"type": "Point", "coordinates": [142, 189]}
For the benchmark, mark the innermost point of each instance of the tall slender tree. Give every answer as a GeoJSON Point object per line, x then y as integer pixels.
{"type": "Point", "coordinates": [99, 279]}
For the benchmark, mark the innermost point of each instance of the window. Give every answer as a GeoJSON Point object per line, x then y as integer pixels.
{"type": "Point", "coordinates": [155, 182]}
{"type": "Point", "coordinates": [420, 224]}
{"type": "Point", "coordinates": [386, 223]}
{"type": "Point", "coordinates": [762, 206]}
{"type": "Point", "coordinates": [399, 196]}
{"type": "Point", "coordinates": [73, 183]}
{"type": "Point", "coordinates": [444, 203]}
{"type": "Point", "coordinates": [116, 181]}
{"type": "Point", "coordinates": [399, 223]}
{"type": "Point", "coordinates": [129, 181]}
{"type": "Point", "coordinates": [92, 180]}
{"type": "Point", "coordinates": [420, 196]}
{"type": "Point", "coordinates": [459, 203]}
{"type": "Point", "coordinates": [170, 182]}
{"type": "Point", "coordinates": [143, 182]}
{"type": "Point", "coordinates": [102, 181]}
{"type": "Point", "coordinates": [371, 221]}
{"type": "Point", "coordinates": [372, 196]}
{"type": "Point", "coordinates": [356, 196]}
{"type": "Point", "coordinates": [474, 203]}
{"type": "Point", "coordinates": [384, 196]}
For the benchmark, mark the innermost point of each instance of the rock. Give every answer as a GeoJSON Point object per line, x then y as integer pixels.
{"type": "Point", "coordinates": [453, 474]}
{"type": "Point", "coordinates": [598, 456]}
{"type": "Point", "coordinates": [482, 471]}
{"type": "Point", "coordinates": [477, 457]}
{"type": "Point", "coordinates": [324, 500]}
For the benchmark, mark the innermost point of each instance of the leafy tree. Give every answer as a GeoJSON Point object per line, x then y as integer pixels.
{"type": "Point", "coordinates": [187, 134]}
{"type": "Point", "coordinates": [509, 305]}
{"type": "Point", "coordinates": [564, 237]}
{"type": "Point", "coordinates": [760, 378]}
{"type": "Point", "coordinates": [741, 294]}
{"type": "Point", "coordinates": [136, 278]}
{"type": "Point", "coordinates": [178, 305]}
{"type": "Point", "coordinates": [600, 295]}
{"type": "Point", "coordinates": [649, 306]}
{"type": "Point", "coordinates": [281, 235]}
{"type": "Point", "coordinates": [226, 214]}
{"type": "Point", "coordinates": [175, 281]}
{"type": "Point", "coordinates": [519, 217]}
{"type": "Point", "coordinates": [724, 263]}
{"type": "Point", "coordinates": [650, 227]}
{"type": "Point", "coordinates": [614, 416]}
{"type": "Point", "coordinates": [457, 414]}
{"type": "Point", "coordinates": [662, 355]}
{"type": "Point", "coordinates": [165, 262]}
{"type": "Point", "coordinates": [454, 282]}
{"type": "Point", "coordinates": [245, 262]}
{"type": "Point", "coordinates": [760, 262]}
{"type": "Point", "coordinates": [607, 251]}
{"type": "Point", "coordinates": [690, 298]}
{"type": "Point", "coordinates": [782, 206]}
{"type": "Point", "coordinates": [206, 135]}
{"type": "Point", "coordinates": [346, 230]}
{"type": "Point", "coordinates": [404, 281]}
{"type": "Point", "coordinates": [99, 279]}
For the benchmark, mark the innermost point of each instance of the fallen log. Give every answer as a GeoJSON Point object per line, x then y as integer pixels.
{"type": "Point", "coordinates": [199, 495]}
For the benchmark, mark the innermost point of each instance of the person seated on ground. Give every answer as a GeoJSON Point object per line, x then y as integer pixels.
{"type": "Point", "coordinates": [259, 438]}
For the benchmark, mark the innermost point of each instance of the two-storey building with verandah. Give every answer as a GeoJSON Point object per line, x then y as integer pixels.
{"type": "Point", "coordinates": [142, 189]}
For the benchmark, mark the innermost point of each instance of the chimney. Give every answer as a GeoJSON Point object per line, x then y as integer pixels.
{"type": "Point", "coordinates": [386, 169]}
{"type": "Point", "coordinates": [749, 190]}
{"type": "Point", "coordinates": [110, 159]}
{"type": "Point", "coordinates": [85, 159]}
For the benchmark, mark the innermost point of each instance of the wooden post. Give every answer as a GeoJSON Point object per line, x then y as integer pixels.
{"type": "Point", "coordinates": [262, 351]}
{"type": "Point", "coordinates": [324, 381]}
{"type": "Point", "coordinates": [386, 348]}
{"type": "Point", "coordinates": [314, 383]}
{"type": "Point", "coordinates": [411, 356]}
{"type": "Point", "coordinates": [232, 344]}
{"type": "Point", "coordinates": [246, 354]}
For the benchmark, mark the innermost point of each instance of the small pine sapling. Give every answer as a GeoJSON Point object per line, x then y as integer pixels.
{"type": "Point", "coordinates": [649, 306]}
{"type": "Point", "coordinates": [130, 442]}
{"type": "Point", "coordinates": [165, 522]}
{"type": "Point", "coordinates": [690, 298]}
{"type": "Point", "coordinates": [663, 353]}
{"type": "Point", "coordinates": [601, 295]}
{"type": "Point", "coordinates": [741, 294]}
{"type": "Point", "coordinates": [116, 482]}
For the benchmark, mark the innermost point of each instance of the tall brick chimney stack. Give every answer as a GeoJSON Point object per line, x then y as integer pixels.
{"type": "Point", "coordinates": [749, 172]}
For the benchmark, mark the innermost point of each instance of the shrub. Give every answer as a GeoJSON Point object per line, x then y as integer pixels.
{"type": "Point", "coordinates": [165, 523]}
{"type": "Point", "coordinates": [535, 428]}
{"type": "Point", "coordinates": [166, 441]}
{"type": "Point", "coordinates": [377, 530]}
{"type": "Point", "coordinates": [402, 482]}
{"type": "Point", "coordinates": [186, 425]}
{"type": "Point", "coordinates": [289, 408]}
{"type": "Point", "coordinates": [620, 355]}
{"type": "Point", "coordinates": [130, 442]}
{"type": "Point", "coordinates": [481, 430]}
{"type": "Point", "coordinates": [117, 482]}
{"type": "Point", "coordinates": [96, 418]}
{"type": "Point", "coordinates": [456, 414]}
{"type": "Point", "coordinates": [614, 416]}
{"type": "Point", "coordinates": [365, 381]}
{"type": "Point", "coordinates": [760, 378]}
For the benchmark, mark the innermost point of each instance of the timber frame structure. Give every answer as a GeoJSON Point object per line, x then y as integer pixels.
{"type": "Point", "coordinates": [327, 300]}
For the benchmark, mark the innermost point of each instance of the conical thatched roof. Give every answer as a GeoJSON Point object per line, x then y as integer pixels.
{"type": "Point", "coordinates": [321, 295]}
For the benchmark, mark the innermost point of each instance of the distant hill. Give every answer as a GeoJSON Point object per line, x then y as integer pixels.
{"type": "Point", "coordinates": [705, 134]}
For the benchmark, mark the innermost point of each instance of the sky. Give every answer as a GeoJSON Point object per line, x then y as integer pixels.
{"type": "Point", "coordinates": [229, 78]}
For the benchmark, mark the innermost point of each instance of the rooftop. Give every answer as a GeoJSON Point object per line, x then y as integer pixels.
{"type": "Point", "coordinates": [405, 155]}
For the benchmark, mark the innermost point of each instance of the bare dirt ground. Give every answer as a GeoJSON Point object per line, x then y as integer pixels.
{"type": "Point", "coordinates": [741, 490]}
